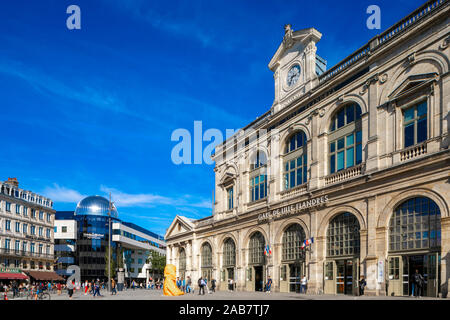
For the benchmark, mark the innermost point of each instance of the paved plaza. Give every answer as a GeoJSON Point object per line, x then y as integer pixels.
{"type": "Point", "coordinates": [142, 294]}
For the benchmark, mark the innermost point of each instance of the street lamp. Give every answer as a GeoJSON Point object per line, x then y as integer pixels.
{"type": "Point", "coordinates": [109, 243]}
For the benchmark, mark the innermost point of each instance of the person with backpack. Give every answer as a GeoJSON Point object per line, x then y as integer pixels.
{"type": "Point", "coordinates": [417, 284]}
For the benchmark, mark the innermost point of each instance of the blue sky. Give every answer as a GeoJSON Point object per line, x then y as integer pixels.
{"type": "Point", "coordinates": [91, 111]}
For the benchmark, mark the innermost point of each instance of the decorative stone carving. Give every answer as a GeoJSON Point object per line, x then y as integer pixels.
{"type": "Point", "coordinates": [287, 39]}
{"type": "Point", "coordinates": [411, 59]}
{"type": "Point", "coordinates": [368, 82]}
{"type": "Point", "coordinates": [444, 43]}
{"type": "Point", "coordinates": [322, 112]}
{"type": "Point", "coordinates": [384, 78]}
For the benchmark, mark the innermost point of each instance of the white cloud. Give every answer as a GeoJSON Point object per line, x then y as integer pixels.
{"type": "Point", "coordinates": [62, 194]}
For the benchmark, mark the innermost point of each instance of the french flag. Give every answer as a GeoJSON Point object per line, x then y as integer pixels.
{"type": "Point", "coordinates": [267, 250]}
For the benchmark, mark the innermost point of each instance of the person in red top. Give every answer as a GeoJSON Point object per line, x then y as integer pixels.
{"type": "Point", "coordinates": [58, 287]}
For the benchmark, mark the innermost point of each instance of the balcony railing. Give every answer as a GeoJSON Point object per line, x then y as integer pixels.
{"type": "Point", "coordinates": [345, 174]}
{"type": "Point", "coordinates": [425, 10]}
{"type": "Point", "coordinates": [299, 190]}
{"type": "Point", "coordinates": [413, 152]}
{"type": "Point", "coordinates": [27, 254]}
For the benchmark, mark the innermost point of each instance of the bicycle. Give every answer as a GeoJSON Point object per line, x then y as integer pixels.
{"type": "Point", "coordinates": [42, 295]}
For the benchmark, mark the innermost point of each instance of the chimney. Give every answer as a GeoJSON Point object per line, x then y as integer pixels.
{"type": "Point", "coordinates": [13, 181]}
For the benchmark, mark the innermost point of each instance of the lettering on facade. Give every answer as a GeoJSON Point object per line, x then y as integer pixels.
{"type": "Point", "coordinates": [93, 235]}
{"type": "Point", "coordinates": [292, 209]}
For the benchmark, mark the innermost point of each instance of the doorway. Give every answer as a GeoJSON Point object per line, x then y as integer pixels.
{"type": "Point", "coordinates": [344, 276]}
{"type": "Point", "coordinates": [295, 272]}
{"type": "Point", "coordinates": [259, 279]}
{"type": "Point", "coordinates": [402, 269]}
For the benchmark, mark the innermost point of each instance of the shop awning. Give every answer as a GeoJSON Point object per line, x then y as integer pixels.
{"type": "Point", "coordinates": [13, 276]}
{"type": "Point", "coordinates": [44, 275]}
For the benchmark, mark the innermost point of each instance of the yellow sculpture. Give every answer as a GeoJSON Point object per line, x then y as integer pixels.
{"type": "Point", "coordinates": [170, 287]}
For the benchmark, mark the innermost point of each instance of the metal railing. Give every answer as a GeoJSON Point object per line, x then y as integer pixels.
{"type": "Point", "coordinates": [21, 253]}
{"type": "Point", "coordinates": [417, 15]}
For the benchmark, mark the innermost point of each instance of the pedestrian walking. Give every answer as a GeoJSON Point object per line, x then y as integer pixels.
{"type": "Point", "coordinates": [269, 284]}
{"type": "Point", "coordinates": [417, 284]}
{"type": "Point", "coordinates": [58, 288]}
{"type": "Point", "coordinates": [362, 285]}
{"type": "Point", "coordinates": [70, 287]}
{"type": "Point", "coordinates": [303, 284]}
{"type": "Point", "coordinates": [213, 285]}
{"type": "Point", "coordinates": [113, 287]}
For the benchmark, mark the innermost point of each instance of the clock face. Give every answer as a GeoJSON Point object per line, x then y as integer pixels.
{"type": "Point", "coordinates": [293, 75]}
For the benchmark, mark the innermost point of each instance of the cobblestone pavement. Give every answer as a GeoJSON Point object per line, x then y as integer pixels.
{"type": "Point", "coordinates": [142, 294]}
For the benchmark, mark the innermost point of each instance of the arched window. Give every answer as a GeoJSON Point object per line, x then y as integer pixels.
{"type": "Point", "coordinates": [229, 253]}
{"type": "Point", "coordinates": [182, 260]}
{"type": "Point", "coordinates": [295, 167]}
{"type": "Point", "coordinates": [343, 236]}
{"type": "Point", "coordinates": [293, 238]}
{"type": "Point", "coordinates": [258, 176]}
{"type": "Point", "coordinates": [345, 138]}
{"type": "Point", "coordinates": [206, 256]}
{"type": "Point", "coordinates": [256, 249]}
{"type": "Point", "coordinates": [415, 224]}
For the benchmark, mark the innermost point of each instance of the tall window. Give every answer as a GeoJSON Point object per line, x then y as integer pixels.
{"type": "Point", "coordinates": [229, 253]}
{"type": "Point", "coordinates": [258, 160]}
{"type": "Point", "coordinates": [415, 124]}
{"type": "Point", "coordinates": [258, 177]}
{"type": "Point", "coordinates": [256, 248]}
{"type": "Point", "coordinates": [343, 236]}
{"type": "Point", "coordinates": [293, 238]}
{"type": "Point", "coordinates": [415, 224]}
{"type": "Point", "coordinates": [295, 161]}
{"type": "Point", "coordinates": [206, 256]}
{"type": "Point", "coordinates": [345, 147]}
{"type": "Point", "coordinates": [230, 198]}
{"type": "Point", "coordinates": [258, 187]}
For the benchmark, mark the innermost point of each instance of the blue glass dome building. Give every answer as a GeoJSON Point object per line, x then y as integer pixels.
{"type": "Point", "coordinates": [89, 244]}
{"type": "Point", "coordinates": [95, 206]}
{"type": "Point", "coordinates": [92, 219]}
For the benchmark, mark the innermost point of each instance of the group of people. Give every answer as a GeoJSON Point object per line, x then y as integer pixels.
{"type": "Point", "coordinates": [185, 285]}
{"type": "Point", "coordinates": [34, 287]}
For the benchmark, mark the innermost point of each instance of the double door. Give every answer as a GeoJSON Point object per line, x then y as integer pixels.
{"type": "Point", "coordinates": [401, 270]}
{"type": "Point", "coordinates": [341, 276]}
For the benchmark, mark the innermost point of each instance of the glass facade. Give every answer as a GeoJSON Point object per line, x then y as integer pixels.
{"type": "Point", "coordinates": [415, 224]}
{"type": "Point", "coordinates": [256, 249]}
{"type": "Point", "coordinates": [343, 236]}
{"type": "Point", "coordinates": [293, 239]}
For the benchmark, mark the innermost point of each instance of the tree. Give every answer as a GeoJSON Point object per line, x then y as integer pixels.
{"type": "Point", "coordinates": [116, 262]}
{"type": "Point", "coordinates": [157, 262]}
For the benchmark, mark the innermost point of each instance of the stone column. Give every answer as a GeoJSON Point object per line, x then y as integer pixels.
{"type": "Point", "coordinates": [313, 145]}
{"type": "Point", "coordinates": [372, 143]}
{"type": "Point", "coordinates": [381, 249]}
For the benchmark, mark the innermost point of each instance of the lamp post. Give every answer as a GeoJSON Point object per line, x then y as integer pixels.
{"type": "Point", "coordinates": [109, 244]}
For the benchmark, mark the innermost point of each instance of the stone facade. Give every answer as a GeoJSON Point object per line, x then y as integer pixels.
{"type": "Point", "coordinates": [406, 65]}
{"type": "Point", "coordinates": [26, 229]}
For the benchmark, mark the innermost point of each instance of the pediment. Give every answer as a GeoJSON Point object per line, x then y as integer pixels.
{"type": "Point", "coordinates": [179, 225]}
{"type": "Point", "coordinates": [411, 84]}
{"type": "Point", "coordinates": [290, 39]}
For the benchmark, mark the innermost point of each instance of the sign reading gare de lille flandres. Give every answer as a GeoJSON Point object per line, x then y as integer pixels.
{"type": "Point", "coordinates": [292, 209]}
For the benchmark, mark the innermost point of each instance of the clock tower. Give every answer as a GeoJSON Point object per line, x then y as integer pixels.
{"type": "Point", "coordinates": [295, 65]}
